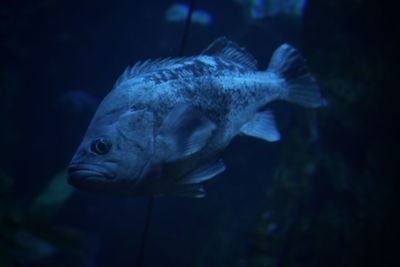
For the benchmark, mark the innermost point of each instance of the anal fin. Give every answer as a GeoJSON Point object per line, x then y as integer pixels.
{"type": "Point", "coordinates": [262, 126]}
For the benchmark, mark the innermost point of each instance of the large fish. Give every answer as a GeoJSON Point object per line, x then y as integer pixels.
{"type": "Point", "coordinates": [163, 126]}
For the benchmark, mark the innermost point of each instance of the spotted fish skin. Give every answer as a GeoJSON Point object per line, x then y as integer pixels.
{"type": "Point", "coordinates": [185, 112]}
{"type": "Point", "coordinates": [220, 86]}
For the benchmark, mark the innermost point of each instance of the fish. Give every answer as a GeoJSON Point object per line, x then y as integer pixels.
{"type": "Point", "coordinates": [162, 128]}
{"type": "Point", "coordinates": [260, 9]}
{"type": "Point", "coordinates": [179, 13]}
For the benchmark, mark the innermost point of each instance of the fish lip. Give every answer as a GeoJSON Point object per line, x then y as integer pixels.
{"type": "Point", "coordinates": [79, 171]}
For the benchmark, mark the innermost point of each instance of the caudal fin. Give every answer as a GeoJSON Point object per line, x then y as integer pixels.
{"type": "Point", "coordinates": [301, 87]}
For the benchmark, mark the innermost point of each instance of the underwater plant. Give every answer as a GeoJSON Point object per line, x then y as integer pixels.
{"type": "Point", "coordinates": [332, 196]}
{"type": "Point", "coordinates": [28, 234]}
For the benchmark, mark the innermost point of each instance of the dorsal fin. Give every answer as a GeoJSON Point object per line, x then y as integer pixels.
{"type": "Point", "coordinates": [146, 67]}
{"type": "Point", "coordinates": [222, 47]}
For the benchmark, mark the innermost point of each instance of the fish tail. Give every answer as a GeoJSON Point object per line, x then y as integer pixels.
{"type": "Point", "coordinates": [300, 86]}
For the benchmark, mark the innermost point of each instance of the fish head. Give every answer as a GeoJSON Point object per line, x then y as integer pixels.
{"type": "Point", "coordinates": [115, 153]}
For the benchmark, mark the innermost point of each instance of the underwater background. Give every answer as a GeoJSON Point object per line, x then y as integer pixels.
{"type": "Point", "coordinates": [325, 195]}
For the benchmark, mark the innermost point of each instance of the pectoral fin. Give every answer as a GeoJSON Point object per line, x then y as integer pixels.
{"type": "Point", "coordinates": [262, 126]}
{"type": "Point", "coordinates": [184, 132]}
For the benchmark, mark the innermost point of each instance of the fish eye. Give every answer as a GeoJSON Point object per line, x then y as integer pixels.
{"type": "Point", "coordinates": [101, 145]}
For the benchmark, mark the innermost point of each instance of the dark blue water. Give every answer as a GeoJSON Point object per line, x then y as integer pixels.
{"type": "Point", "coordinates": [322, 196]}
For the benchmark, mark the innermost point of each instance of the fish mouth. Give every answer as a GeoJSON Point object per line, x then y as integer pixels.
{"type": "Point", "coordinates": [81, 174]}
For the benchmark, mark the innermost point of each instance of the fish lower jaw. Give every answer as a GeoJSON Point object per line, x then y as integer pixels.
{"type": "Point", "coordinates": [88, 171]}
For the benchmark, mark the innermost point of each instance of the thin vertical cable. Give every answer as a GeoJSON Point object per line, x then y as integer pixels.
{"type": "Point", "coordinates": [150, 202]}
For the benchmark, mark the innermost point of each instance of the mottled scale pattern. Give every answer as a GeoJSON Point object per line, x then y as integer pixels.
{"type": "Point", "coordinates": [167, 70]}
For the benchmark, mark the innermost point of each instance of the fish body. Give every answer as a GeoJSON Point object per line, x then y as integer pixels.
{"type": "Point", "coordinates": [162, 128]}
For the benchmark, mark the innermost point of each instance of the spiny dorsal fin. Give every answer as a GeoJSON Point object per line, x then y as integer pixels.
{"type": "Point", "coordinates": [222, 47]}
{"type": "Point", "coordinates": [146, 67]}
